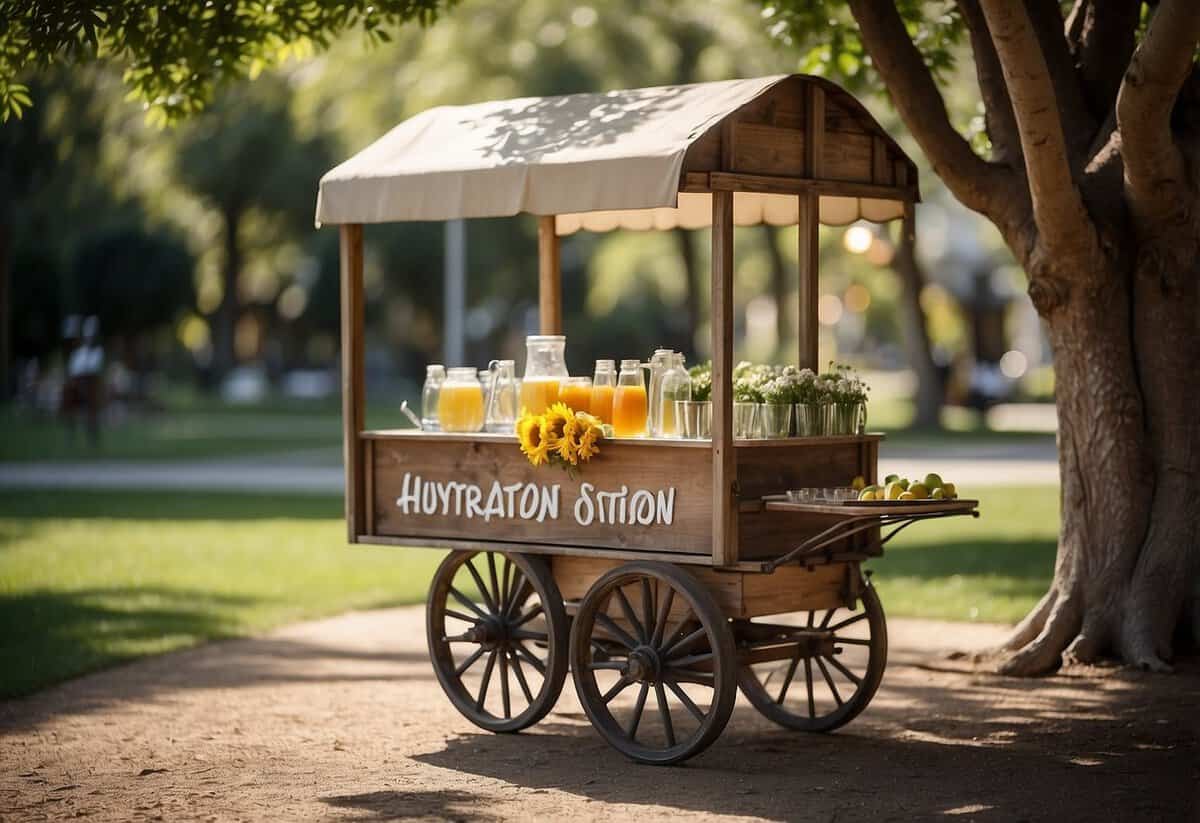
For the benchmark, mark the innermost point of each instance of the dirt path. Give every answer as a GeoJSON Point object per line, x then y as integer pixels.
{"type": "Point", "coordinates": [342, 719]}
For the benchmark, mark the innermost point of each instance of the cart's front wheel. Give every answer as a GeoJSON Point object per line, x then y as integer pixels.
{"type": "Point", "coordinates": [497, 636]}
{"type": "Point", "coordinates": [814, 671]}
{"type": "Point", "coordinates": [653, 662]}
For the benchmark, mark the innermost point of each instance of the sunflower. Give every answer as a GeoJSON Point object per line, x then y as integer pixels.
{"type": "Point", "coordinates": [589, 437]}
{"type": "Point", "coordinates": [531, 432]}
{"type": "Point", "coordinates": [568, 444]}
{"type": "Point", "coordinates": [556, 419]}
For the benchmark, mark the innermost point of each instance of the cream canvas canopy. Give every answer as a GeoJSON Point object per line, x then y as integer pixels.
{"type": "Point", "coordinates": [635, 159]}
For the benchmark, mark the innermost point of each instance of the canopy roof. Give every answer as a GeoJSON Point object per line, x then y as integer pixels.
{"type": "Point", "coordinates": [621, 158]}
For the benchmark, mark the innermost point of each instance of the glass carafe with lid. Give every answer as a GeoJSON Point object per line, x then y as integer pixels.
{"type": "Point", "coordinates": [435, 376]}
{"type": "Point", "coordinates": [658, 365]}
{"type": "Point", "coordinates": [675, 385]}
{"type": "Point", "coordinates": [545, 369]}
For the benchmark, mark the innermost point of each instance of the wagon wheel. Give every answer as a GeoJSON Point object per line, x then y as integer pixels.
{"type": "Point", "coordinates": [653, 662]}
{"type": "Point", "coordinates": [822, 667]}
{"type": "Point", "coordinates": [497, 637]}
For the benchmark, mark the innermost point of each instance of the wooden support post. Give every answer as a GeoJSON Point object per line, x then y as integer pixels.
{"type": "Point", "coordinates": [549, 277]}
{"type": "Point", "coordinates": [725, 504]}
{"type": "Point", "coordinates": [353, 400]}
{"type": "Point", "coordinates": [809, 225]}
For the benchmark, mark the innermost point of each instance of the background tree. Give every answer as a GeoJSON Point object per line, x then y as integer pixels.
{"type": "Point", "coordinates": [1090, 168]}
{"type": "Point", "coordinates": [176, 53]}
{"type": "Point", "coordinates": [244, 158]}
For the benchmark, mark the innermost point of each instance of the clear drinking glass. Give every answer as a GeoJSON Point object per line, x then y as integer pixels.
{"type": "Point", "coordinates": [604, 385]}
{"type": "Point", "coordinates": [658, 365]}
{"type": "Point", "coordinates": [576, 392]}
{"type": "Point", "coordinates": [745, 421]}
{"type": "Point", "coordinates": [435, 376]}
{"type": "Point", "coordinates": [676, 385]}
{"type": "Point", "coordinates": [501, 397]}
{"type": "Point", "coordinates": [460, 401]}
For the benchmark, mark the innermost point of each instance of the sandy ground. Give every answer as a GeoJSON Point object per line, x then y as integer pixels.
{"type": "Point", "coordinates": [342, 719]}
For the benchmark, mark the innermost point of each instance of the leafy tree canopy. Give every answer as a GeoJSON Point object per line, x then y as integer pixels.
{"type": "Point", "coordinates": [177, 52]}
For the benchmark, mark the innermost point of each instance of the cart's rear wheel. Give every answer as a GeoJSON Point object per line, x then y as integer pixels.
{"type": "Point", "coordinates": [821, 668]}
{"type": "Point", "coordinates": [497, 636]}
{"type": "Point", "coordinates": [653, 662]}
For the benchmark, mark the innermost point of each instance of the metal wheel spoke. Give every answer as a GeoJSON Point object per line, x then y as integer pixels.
{"type": "Point", "coordinates": [811, 616]}
{"type": "Point", "coordinates": [506, 579]}
{"type": "Point", "coordinates": [685, 700]}
{"type": "Point", "coordinates": [827, 618]}
{"type": "Point", "coordinates": [466, 601]}
{"type": "Point", "coordinates": [812, 706]}
{"type": "Point", "coordinates": [664, 611]}
{"type": "Point", "coordinates": [647, 610]}
{"type": "Point", "coordinates": [616, 689]}
{"type": "Point", "coordinates": [851, 676]}
{"type": "Point", "coordinates": [531, 659]}
{"type": "Point", "coordinates": [829, 681]}
{"type": "Point", "coordinates": [787, 679]}
{"type": "Point", "coordinates": [686, 643]}
{"type": "Point", "coordinates": [631, 732]}
{"type": "Point", "coordinates": [849, 621]}
{"type": "Point", "coordinates": [620, 634]}
{"type": "Point", "coordinates": [527, 634]}
{"type": "Point", "coordinates": [458, 638]}
{"type": "Point", "coordinates": [851, 641]}
{"type": "Point", "coordinates": [664, 712]}
{"type": "Point", "coordinates": [483, 590]}
{"type": "Point", "coordinates": [497, 604]}
{"type": "Point", "coordinates": [690, 676]}
{"type": "Point", "coordinates": [516, 667]}
{"type": "Point", "coordinates": [466, 618]}
{"type": "Point", "coordinates": [606, 665]}
{"type": "Point", "coordinates": [470, 661]}
{"type": "Point", "coordinates": [533, 612]}
{"type": "Point", "coordinates": [627, 609]}
{"type": "Point", "coordinates": [487, 679]}
{"type": "Point", "coordinates": [504, 698]}
{"type": "Point", "coordinates": [690, 660]}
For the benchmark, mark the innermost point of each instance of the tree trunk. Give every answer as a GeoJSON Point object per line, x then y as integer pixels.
{"type": "Point", "coordinates": [687, 254]}
{"type": "Point", "coordinates": [931, 388]}
{"type": "Point", "coordinates": [1125, 344]}
{"type": "Point", "coordinates": [226, 317]}
{"type": "Point", "coordinates": [6, 365]}
{"type": "Point", "coordinates": [778, 282]}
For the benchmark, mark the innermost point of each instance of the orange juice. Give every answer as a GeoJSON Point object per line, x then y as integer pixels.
{"type": "Point", "coordinates": [602, 403]}
{"type": "Point", "coordinates": [538, 394]}
{"type": "Point", "coordinates": [629, 411]}
{"type": "Point", "coordinates": [460, 408]}
{"type": "Point", "coordinates": [576, 393]}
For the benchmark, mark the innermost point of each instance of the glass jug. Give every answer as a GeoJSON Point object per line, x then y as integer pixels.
{"type": "Point", "coordinates": [545, 369]}
{"type": "Point", "coordinates": [629, 401]}
{"type": "Point", "coordinates": [502, 397]}
{"type": "Point", "coordinates": [435, 376]}
{"type": "Point", "coordinates": [658, 365]}
{"type": "Point", "coordinates": [604, 385]}
{"type": "Point", "coordinates": [675, 385]}
{"type": "Point", "coordinates": [460, 401]}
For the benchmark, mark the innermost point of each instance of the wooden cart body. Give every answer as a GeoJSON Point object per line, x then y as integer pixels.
{"type": "Point", "coordinates": [803, 138]}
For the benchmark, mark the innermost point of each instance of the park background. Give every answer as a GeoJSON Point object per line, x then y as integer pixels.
{"type": "Point", "coordinates": [210, 507]}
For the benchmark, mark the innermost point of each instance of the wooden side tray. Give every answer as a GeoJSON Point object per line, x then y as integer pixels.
{"type": "Point", "coordinates": [852, 508]}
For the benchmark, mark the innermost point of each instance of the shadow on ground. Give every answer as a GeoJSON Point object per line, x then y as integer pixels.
{"type": "Point", "coordinates": [994, 749]}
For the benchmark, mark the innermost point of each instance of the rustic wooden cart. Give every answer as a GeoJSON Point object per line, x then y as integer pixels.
{"type": "Point", "coordinates": [667, 575]}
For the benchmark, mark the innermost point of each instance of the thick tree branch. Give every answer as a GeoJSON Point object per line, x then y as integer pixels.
{"type": "Point", "coordinates": [1155, 174]}
{"type": "Point", "coordinates": [998, 111]}
{"type": "Point", "coordinates": [1078, 122]}
{"type": "Point", "coordinates": [984, 187]}
{"type": "Point", "coordinates": [1062, 220]}
{"type": "Point", "coordinates": [1102, 42]}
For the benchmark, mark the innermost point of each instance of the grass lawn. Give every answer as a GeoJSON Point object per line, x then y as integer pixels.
{"type": "Point", "coordinates": [88, 579]}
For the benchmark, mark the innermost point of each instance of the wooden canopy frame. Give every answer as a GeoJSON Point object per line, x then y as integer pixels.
{"type": "Point", "coordinates": [804, 137]}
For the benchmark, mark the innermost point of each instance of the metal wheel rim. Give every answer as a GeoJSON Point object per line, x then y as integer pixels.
{"type": "Point", "coordinates": [676, 641]}
{"type": "Point", "coordinates": [491, 637]}
{"type": "Point", "coordinates": [811, 677]}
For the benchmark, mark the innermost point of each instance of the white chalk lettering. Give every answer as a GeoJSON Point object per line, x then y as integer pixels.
{"type": "Point", "coordinates": [549, 503]}
{"type": "Point", "coordinates": [410, 493]}
{"type": "Point", "coordinates": [495, 502]}
{"type": "Point", "coordinates": [641, 508]}
{"type": "Point", "coordinates": [666, 506]}
{"type": "Point", "coordinates": [585, 510]}
{"type": "Point", "coordinates": [474, 495]}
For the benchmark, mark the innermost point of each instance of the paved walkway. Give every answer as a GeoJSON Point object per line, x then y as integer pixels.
{"type": "Point", "coordinates": [320, 471]}
{"type": "Point", "coordinates": [341, 719]}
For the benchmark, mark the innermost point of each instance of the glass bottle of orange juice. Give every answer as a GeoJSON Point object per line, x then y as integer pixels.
{"type": "Point", "coordinates": [604, 384]}
{"type": "Point", "coordinates": [545, 369]}
{"type": "Point", "coordinates": [460, 402]}
{"type": "Point", "coordinates": [576, 392]}
{"type": "Point", "coordinates": [629, 401]}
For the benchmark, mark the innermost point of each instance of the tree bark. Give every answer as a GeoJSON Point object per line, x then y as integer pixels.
{"type": "Point", "coordinates": [226, 317]}
{"type": "Point", "coordinates": [778, 281]}
{"type": "Point", "coordinates": [687, 254]}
